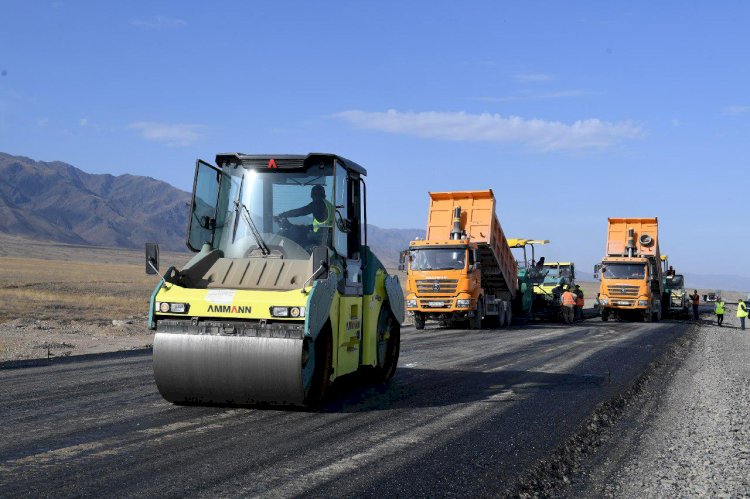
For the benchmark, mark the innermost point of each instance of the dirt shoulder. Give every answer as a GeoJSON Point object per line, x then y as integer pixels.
{"type": "Point", "coordinates": [687, 434]}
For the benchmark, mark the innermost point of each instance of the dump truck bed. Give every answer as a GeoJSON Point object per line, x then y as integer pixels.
{"type": "Point", "coordinates": [482, 227]}
{"type": "Point", "coordinates": [617, 236]}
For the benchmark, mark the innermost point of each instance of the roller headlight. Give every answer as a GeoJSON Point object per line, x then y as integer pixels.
{"type": "Point", "coordinates": [294, 312]}
{"type": "Point", "coordinates": [171, 308]}
{"type": "Point", "coordinates": [463, 303]}
{"type": "Point", "coordinates": [411, 303]}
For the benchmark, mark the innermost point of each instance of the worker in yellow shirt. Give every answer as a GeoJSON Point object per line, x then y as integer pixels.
{"type": "Point", "coordinates": [719, 308]}
{"type": "Point", "coordinates": [741, 313]}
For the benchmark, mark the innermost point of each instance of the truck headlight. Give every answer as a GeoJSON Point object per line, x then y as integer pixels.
{"type": "Point", "coordinates": [411, 303]}
{"type": "Point", "coordinates": [643, 303]}
{"type": "Point", "coordinates": [604, 301]}
{"type": "Point", "coordinates": [463, 303]}
{"type": "Point", "coordinates": [293, 312]}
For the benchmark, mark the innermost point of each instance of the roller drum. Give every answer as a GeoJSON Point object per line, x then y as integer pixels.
{"type": "Point", "coordinates": [224, 369]}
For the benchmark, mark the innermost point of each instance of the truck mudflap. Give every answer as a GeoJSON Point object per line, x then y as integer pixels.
{"type": "Point", "coordinates": [228, 369]}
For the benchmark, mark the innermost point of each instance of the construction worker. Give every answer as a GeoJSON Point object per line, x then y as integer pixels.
{"type": "Point", "coordinates": [319, 207]}
{"type": "Point", "coordinates": [696, 299]}
{"type": "Point", "coordinates": [568, 305]}
{"type": "Point", "coordinates": [719, 309]}
{"type": "Point", "coordinates": [741, 313]}
{"type": "Point", "coordinates": [579, 303]}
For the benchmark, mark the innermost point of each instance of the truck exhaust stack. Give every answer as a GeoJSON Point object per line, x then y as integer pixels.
{"type": "Point", "coordinates": [631, 244]}
{"type": "Point", "coordinates": [456, 232]}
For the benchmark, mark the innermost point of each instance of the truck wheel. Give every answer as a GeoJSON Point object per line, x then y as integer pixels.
{"type": "Point", "coordinates": [657, 316]}
{"type": "Point", "coordinates": [509, 317]}
{"type": "Point", "coordinates": [388, 345]}
{"type": "Point", "coordinates": [476, 321]}
{"type": "Point", "coordinates": [605, 315]}
{"type": "Point", "coordinates": [648, 316]}
{"type": "Point", "coordinates": [418, 321]}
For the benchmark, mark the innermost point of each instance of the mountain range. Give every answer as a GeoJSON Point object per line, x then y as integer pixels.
{"type": "Point", "coordinates": [55, 201]}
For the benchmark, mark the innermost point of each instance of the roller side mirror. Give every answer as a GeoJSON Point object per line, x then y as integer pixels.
{"type": "Point", "coordinates": [152, 258]}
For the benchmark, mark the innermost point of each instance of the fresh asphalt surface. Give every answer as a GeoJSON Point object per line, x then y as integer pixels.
{"type": "Point", "coordinates": [467, 413]}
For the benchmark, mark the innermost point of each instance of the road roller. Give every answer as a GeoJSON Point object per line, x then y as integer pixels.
{"type": "Point", "coordinates": [283, 295]}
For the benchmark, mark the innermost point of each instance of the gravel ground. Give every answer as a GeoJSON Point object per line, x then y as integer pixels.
{"type": "Point", "coordinates": [34, 339]}
{"type": "Point", "coordinates": [689, 434]}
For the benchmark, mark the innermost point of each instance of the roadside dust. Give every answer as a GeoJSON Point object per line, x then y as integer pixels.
{"type": "Point", "coordinates": [33, 339]}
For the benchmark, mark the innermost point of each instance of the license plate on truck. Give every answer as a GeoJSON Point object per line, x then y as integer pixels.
{"type": "Point", "coordinates": [435, 303]}
{"type": "Point", "coordinates": [623, 303]}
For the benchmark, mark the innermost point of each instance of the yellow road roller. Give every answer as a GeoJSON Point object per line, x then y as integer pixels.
{"type": "Point", "coordinates": [283, 295]}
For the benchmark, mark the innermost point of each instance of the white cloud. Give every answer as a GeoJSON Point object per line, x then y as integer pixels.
{"type": "Point", "coordinates": [460, 126]}
{"type": "Point", "coordinates": [172, 134]}
{"type": "Point", "coordinates": [159, 22]}
{"type": "Point", "coordinates": [538, 77]}
{"type": "Point", "coordinates": [83, 122]}
{"type": "Point", "coordinates": [735, 110]}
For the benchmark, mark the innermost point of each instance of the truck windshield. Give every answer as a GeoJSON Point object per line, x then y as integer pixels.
{"type": "Point", "coordinates": [624, 270]}
{"type": "Point", "coordinates": [290, 212]}
{"type": "Point", "coordinates": [438, 259]}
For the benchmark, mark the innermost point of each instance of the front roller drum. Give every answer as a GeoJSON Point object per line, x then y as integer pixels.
{"type": "Point", "coordinates": [242, 370]}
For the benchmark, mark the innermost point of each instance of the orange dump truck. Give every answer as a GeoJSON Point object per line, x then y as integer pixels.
{"type": "Point", "coordinates": [463, 269]}
{"type": "Point", "coordinates": [631, 273]}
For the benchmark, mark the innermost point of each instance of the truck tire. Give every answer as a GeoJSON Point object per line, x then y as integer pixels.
{"type": "Point", "coordinates": [388, 345]}
{"type": "Point", "coordinates": [476, 321]}
{"type": "Point", "coordinates": [418, 321]}
{"type": "Point", "coordinates": [605, 315]}
{"type": "Point", "coordinates": [509, 316]}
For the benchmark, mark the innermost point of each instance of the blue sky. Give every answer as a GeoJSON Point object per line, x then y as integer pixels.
{"type": "Point", "coordinates": [570, 111]}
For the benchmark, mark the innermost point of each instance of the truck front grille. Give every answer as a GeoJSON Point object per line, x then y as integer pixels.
{"type": "Point", "coordinates": [436, 303]}
{"type": "Point", "coordinates": [437, 285]}
{"type": "Point", "coordinates": [623, 290]}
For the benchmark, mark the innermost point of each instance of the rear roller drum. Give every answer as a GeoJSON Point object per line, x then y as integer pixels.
{"type": "Point", "coordinates": [388, 345]}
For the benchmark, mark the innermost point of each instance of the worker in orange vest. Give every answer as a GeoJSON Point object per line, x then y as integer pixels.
{"type": "Point", "coordinates": [579, 303]}
{"type": "Point", "coordinates": [696, 299]}
{"type": "Point", "coordinates": [568, 305]}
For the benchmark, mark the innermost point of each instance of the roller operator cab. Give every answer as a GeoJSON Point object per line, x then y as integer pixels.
{"type": "Point", "coordinates": [283, 295]}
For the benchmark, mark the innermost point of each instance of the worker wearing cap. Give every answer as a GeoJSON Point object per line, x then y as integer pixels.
{"type": "Point", "coordinates": [719, 308]}
{"type": "Point", "coordinates": [568, 305]}
{"type": "Point", "coordinates": [741, 313]}
{"type": "Point", "coordinates": [579, 303]}
{"type": "Point", "coordinates": [319, 207]}
{"type": "Point", "coordinates": [696, 299]}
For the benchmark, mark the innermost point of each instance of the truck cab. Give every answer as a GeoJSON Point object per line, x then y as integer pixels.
{"type": "Point", "coordinates": [629, 286]}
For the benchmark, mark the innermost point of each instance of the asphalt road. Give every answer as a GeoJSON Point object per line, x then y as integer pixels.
{"type": "Point", "coordinates": [467, 413]}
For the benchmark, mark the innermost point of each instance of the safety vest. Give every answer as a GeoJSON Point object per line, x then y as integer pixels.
{"type": "Point", "coordinates": [741, 309]}
{"type": "Point", "coordinates": [328, 222]}
{"type": "Point", "coordinates": [696, 299]}
{"type": "Point", "coordinates": [579, 299]}
{"type": "Point", "coordinates": [719, 308]}
{"type": "Point", "coordinates": [567, 299]}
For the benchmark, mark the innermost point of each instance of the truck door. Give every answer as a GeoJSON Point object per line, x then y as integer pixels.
{"type": "Point", "coordinates": [346, 242]}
